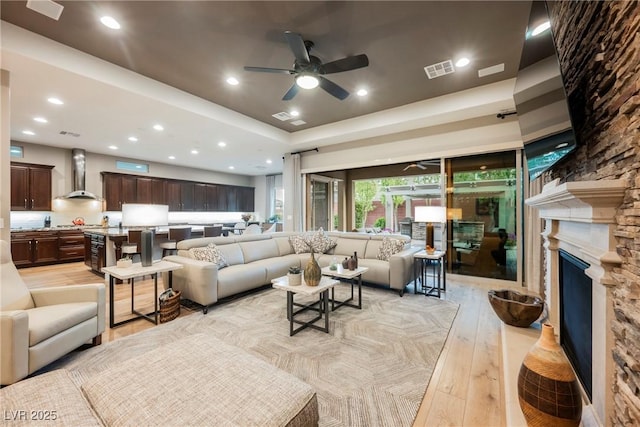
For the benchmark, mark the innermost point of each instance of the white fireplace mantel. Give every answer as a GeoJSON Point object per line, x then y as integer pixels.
{"type": "Point", "coordinates": [580, 218]}
{"type": "Point", "coordinates": [581, 201]}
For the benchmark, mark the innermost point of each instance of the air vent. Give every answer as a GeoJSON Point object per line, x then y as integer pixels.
{"type": "Point", "coordinates": [64, 132]}
{"type": "Point", "coordinates": [298, 122]}
{"type": "Point", "coordinates": [283, 116]}
{"type": "Point", "coordinates": [440, 69]}
{"type": "Point", "coordinates": [491, 70]}
{"type": "Point", "coordinates": [48, 8]}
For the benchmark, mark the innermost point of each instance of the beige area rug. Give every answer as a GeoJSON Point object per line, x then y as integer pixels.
{"type": "Point", "coordinates": [371, 369]}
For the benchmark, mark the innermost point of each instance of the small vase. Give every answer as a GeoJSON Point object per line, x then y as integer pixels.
{"type": "Point", "coordinates": [355, 258]}
{"type": "Point", "coordinates": [294, 279]}
{"type": "Point", "coordinates": [548, 390]}
{"type": "Point", "coordinates": [345, 263]}
{"type": "Point", "coordinates": [351, 264]}
{"type": "Point", "coordinates": [312, 273]}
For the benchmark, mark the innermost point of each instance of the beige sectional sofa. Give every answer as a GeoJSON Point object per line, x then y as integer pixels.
{"type": "Point", "coordinates": [254, 260]}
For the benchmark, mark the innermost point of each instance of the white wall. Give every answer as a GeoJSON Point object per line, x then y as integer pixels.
{"type": "Point", "coordinates": [5, 137]}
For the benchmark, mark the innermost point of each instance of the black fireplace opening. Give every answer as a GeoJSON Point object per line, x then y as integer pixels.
{"type": "Point", "coordinates": [576, 316]}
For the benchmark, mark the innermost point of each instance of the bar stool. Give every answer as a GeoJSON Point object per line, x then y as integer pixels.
{"type": "Point", "coordinates": [175, 235]}
{"type": "Point", "coordinates": [131, 248]}
{"type": "Point", "coordinates": [213, 231]}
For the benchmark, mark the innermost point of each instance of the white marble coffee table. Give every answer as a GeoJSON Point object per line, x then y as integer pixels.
{"type": "Point", "coordinates": [322, 305]}
{"type": "Point", "coordinates": [350, 275]}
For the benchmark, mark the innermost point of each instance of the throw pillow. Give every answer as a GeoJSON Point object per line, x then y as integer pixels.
{"type": "Point", "coordinates": [299, 244]}
{"type": "Point", "coordinates": [209, 253]}
{"type": "Point", "coordinates": [320, 242]}
{"type": "Point", "coordinates": [389, 247]}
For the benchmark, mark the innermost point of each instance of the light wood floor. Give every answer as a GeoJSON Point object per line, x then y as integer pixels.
{"type": "Point", "coordinates": [465, 389]}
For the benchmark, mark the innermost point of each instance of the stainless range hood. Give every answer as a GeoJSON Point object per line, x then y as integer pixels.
{"type": "Point", "coordinates": [78, 165]}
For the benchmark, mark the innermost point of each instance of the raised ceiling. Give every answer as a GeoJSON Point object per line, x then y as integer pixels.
{"type": "Point", "coordinates": [195, 45]}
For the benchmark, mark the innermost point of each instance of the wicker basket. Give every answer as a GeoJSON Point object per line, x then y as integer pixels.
{"type": "Point", "coordinates": [170, 308]}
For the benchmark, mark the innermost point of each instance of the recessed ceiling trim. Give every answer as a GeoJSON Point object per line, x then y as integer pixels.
{"type": "Point", "coordinates": [494, 69]}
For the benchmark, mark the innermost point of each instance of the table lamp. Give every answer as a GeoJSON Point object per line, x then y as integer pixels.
{"type": "Point", "coordinates": [142, 215]}
{"type": "Point", "coordinates": [430, 214]}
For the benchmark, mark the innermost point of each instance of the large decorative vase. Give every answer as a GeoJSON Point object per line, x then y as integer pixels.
{"type": "Point", "coordinates": [312, 273]}
{"type": "Point", "coordinates": [547, 387]}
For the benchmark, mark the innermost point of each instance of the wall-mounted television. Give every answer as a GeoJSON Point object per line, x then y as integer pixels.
{"type": "Point", "coordinates": [541, 100]}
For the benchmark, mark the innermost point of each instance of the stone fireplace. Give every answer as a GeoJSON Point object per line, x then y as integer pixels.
{"type": "Point", "coordinates": [580, 221]}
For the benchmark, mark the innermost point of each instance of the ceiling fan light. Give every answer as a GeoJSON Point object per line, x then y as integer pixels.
{"type": "Point", "coordinates": [306, 81]}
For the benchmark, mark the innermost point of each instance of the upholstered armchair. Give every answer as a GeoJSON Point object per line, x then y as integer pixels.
{"type": "Point", "coordinates": [38, 326]}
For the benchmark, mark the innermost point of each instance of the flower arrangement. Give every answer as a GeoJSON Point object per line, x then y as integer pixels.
{"type": "Point", "coordinates": [245, 217]}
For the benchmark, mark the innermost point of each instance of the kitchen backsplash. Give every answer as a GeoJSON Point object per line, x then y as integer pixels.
{"type": "Point", "coordinates": [66, 210]}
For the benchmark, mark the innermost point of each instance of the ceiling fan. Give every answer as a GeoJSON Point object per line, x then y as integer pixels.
{"type": "Point", "coordinates": [422, 164]}
{"type": "Point", "coordinates": [309, 70]}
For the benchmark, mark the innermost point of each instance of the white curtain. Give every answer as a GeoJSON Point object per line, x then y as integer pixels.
{"type": "Point", "coordinates": [292, 183]}
{"type": "Point", "coordinates": [534, 264]}
{"type": "Point", "coordinates": [270, 191]}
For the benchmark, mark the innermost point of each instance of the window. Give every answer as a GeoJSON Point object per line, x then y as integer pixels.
{"type": "Point", "coordinates": [16, 151]}
{"type": "Point", "coordinates": [129, 166]}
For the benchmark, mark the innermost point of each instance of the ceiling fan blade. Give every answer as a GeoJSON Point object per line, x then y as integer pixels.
{"type": "Point", "coordinates": [346, 64]}
{"type": "Point", "coordinates": [269, 70]}
{"type": "Point", "coordinates": [291, 92]}
{"type": "Point", "coordinates": [421, 166]}
{"type": "Point", "coordinates": [407, 167]}
{"type": "Point", "coordinates": [296, 43]}
{"type": "Point", "coordinates": [333, 88]}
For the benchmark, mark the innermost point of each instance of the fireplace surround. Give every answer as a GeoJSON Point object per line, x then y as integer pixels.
{"type": "Point", "coordinates": [580, 220]}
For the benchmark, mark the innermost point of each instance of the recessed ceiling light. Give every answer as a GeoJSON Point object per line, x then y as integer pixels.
{"type": "Point", "coordinates": [306, 81]}
{"type": "Point", "coordinates": [462, 62]}
{"type": "Point", "coordinates": [294, 113]}
{"type": "Point", "coordinates": [113, 147]}
{"type": "Point", "coordinates": [110, 22]}
{"type": "Point", "coordinates": [269, 161]}
{"type": "Point", "coordinates": [28, 132]}
{"type": "Point", "coordinates": [232, 167]}
{"type": "Point", "coordinates": [541, 28]}
{"type": "Point", "coordinates": [158, 127]}
{"type": "Point", "coordinates": [172, 157]}
{"type": "Point", "coordinates": [362, 92]}
{"type": "Point", "coordinates": [222, 144]}
{"type": "Point", "coordinates": [54, 100]}
{"type": "Point", "coordinates": [133, 139]}
{"type": "Point", "coordinates": [40, 120]}
{"type": "Point", "coordinates": [232, 81]}
{"type": "Point", "coordinates": [194, 151]}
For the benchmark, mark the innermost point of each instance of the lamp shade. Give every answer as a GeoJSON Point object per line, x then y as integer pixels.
{"type": "Point", "coordinates": [431, 214]}
{"type": "Point", "coordinates": [454, 214]}
{"type": "Point", "coordinates": [141, 215]}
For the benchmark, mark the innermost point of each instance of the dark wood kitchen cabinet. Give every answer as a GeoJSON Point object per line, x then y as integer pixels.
{"type": "Point", "coordinates": [70, 245]}
{"type": "Point", "coordinates": [118, 189]}
{"type": "Point", "coordinates": [205, 197]}
{"type": "Point", "coordinates": [151, 191]}
{"type": "Point", "coordinates": [34, 248]}
{"type": "Point", "coordinates": [30, 187]}
{"type": "Point", "coordinates": [95, 255]}
{"type": "Point", "coordinates": [180, 195]}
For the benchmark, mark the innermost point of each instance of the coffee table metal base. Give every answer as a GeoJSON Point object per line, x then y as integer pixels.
{"type": "Point", "coordinates": [321, 306]}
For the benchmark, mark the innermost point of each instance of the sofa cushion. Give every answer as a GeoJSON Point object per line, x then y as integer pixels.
{"type": "Point", "coordinates": [347, 246]}
{"type": "Point", "coordinates": [212, 383]}
{"type": "Point", "coordinates": [50, 320]}
{"type": "Point", "coordinates": [50, 399]}
{"type": "Point", "coordinates": [209, 253]}
{"type": "Point", "coordinates": [259, 249]}
{"type": "Point", "coordinates": [299, 244]}
{"type": "Point", "coordinates": [232, 253]}
{"type": "Point", "coordinates": [320, 242]}
{"type": "Point", "coordinates": [239, 278]}
{"type": "Point", "coordinates": [389, 247]}
{"type": "Point", "coordinates": [284, 247]}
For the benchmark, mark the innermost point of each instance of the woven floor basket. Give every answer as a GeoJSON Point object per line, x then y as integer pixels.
{"type": "Point", "coordinates": [170, 308]}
